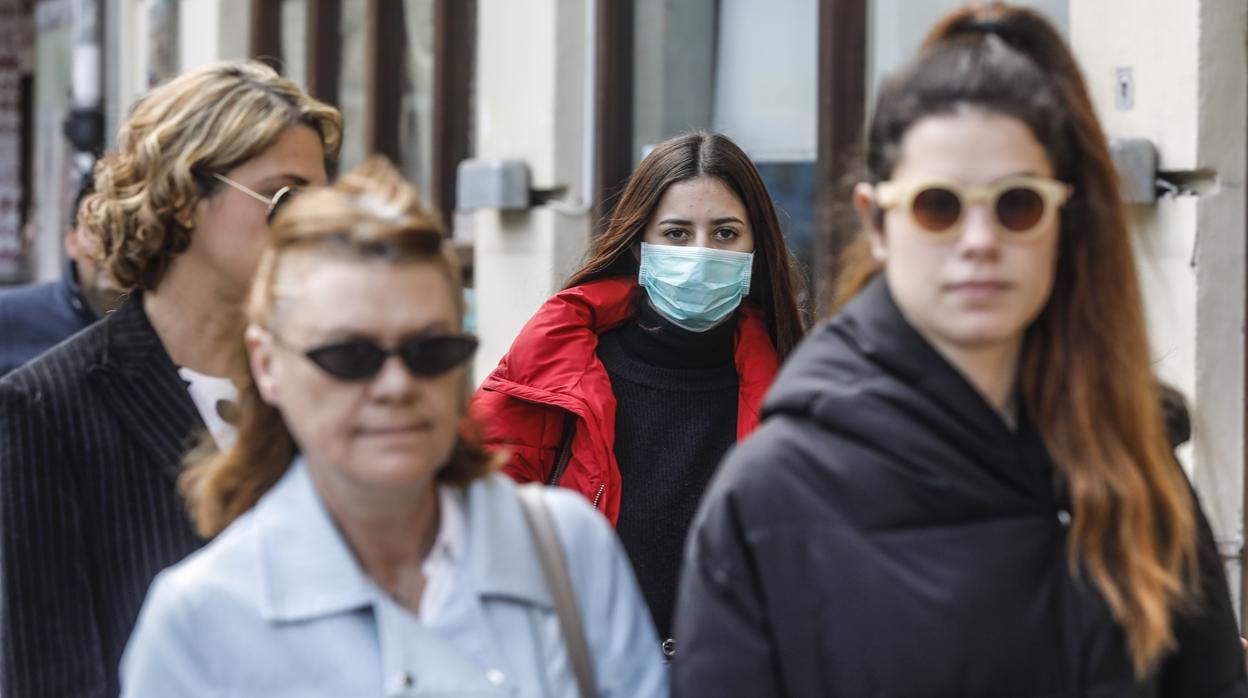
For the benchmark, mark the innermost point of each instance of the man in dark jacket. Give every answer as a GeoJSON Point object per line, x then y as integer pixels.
{"type": "Point", "coordinates": [37, 317]}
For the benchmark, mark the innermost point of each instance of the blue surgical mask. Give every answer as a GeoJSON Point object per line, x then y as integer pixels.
{"type": "Point", "coordinates": [694, 287]}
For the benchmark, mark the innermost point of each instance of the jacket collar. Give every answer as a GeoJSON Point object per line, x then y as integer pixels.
{"type": "Point", "coordinates": [131, 340]}
{"type": "Point", "coordinates": [875, 324]}
{"type": "Point", "coordinates": [551, 357]}
{"type": "Point", "coordinates": [140, 381]}
{"type": "Point", "coordinates": [72, 293]}
{"type": "Point", "coordinates": [869, 374]}
{"type": "Point", "coordinates": [308, 570]}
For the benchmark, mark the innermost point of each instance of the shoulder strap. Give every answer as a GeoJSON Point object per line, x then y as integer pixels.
{"type": "Point", "coordinates": [554, 566]}
{"type": "Point", "coordinates": [564, 454]}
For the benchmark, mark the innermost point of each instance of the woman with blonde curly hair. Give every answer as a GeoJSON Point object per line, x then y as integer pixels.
{"type": "Point", "coordinates": [93, 433]}
{"type": "Point", "coordinates": [364, 546]}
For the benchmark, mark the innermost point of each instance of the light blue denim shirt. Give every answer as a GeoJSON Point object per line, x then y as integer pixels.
{"type": "Point", "coordinates": [277, 606]}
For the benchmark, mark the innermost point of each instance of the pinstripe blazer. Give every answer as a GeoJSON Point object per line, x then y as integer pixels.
{"type": "Point", "coordinates": [91, 439]}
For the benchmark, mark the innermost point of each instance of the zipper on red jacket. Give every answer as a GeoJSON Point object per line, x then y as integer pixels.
{"type": "Point", "coordinates": [598, 496]}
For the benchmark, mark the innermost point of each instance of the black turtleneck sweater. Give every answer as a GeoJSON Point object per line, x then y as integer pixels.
{"type": "Point", "coordinates": [676, 399]}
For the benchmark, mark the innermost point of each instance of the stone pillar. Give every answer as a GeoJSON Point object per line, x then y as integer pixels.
{"type": "Point", "coordinates": [530, 103]}
{"type": "Point", "coordinates": [53, 172]}
{"type": "Point", "coordinates": [212, 30]}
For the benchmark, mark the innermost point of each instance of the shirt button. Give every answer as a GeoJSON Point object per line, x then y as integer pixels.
{"type": "Point", "coordinates": [495, 677]}
{"type": "Point", "coordinates": [1063, 517]}
{"type": "Point", "coordinates": [403, 681]}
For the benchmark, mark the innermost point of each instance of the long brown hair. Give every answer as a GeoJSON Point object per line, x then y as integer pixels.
{"type": "Point", "coordinates": [369, 213]}
{"type": "Point", "coordinates": [1085, 372]}
{"type": "Point", "coordinates": [685, 157]}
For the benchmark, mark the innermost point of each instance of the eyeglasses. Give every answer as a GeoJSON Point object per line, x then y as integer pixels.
{"type": "Point", "coordinates": [279, 199]}
{"type": "Point", "coordinates": [1022, 206]}
{"type": "Point", "coordinates": [361, 359]}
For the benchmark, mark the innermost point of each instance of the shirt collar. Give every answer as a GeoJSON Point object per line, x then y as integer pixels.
{"type": "Point", "coordinates": [208, 393]}
{"type": "Point", "coordinates": [73, 294]}
{"type": "Point", "coordinates": [500, 558]}
{"type": "Point", "coordinates": [449, 543]}
{"type": "Point", "coordinates": [445, 554]}
{"type": "Point", "coordinates": [309, 571]}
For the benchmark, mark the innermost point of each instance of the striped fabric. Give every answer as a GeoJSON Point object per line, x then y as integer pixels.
{"type": "Point", "coordinates": [91, 438]}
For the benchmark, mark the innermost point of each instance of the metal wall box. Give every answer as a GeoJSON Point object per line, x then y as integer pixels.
{"type": "Point", "coordinates": [1136, 160]}
{"type": "Point", "coordinates": [497, 184]}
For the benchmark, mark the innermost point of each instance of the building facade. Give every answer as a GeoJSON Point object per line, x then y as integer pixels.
{"type": "Point", "coordinates": [578, 90]}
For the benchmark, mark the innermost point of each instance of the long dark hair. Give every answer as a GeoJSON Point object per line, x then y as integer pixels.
{"type": "Point", "coordinates": [1085, 371]}
{"type": "Point", "coordinates": [685, 157]}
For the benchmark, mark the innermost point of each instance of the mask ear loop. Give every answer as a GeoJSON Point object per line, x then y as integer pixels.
{"type": "Point", "coordinates": [747, 277]}
{"type": "Point", "coordinates": [643, 262]}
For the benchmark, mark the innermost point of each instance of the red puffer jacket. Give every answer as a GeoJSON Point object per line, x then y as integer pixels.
{"type": "Point", "coordinates": [553, 367]}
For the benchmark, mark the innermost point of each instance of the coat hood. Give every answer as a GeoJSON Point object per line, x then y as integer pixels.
{"type": "Point", "coordinates": [871, 337]}
{"type": "Point", "coordinates": [868, 374]}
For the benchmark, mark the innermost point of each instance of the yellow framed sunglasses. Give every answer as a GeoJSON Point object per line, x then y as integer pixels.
{"type": "Point", "coordinates": [1021, 206]}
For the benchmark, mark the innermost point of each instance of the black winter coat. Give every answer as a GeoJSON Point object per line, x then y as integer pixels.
{"type": "Point", "coordinates": [92, 435]}
{"type": "Point", "coordinates": [886, 534]}
{"type": "Point", "coordinates": [37, 317]}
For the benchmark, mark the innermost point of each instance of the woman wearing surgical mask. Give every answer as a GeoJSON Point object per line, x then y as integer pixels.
{"type": "Point", "coordinates": [630, 384]}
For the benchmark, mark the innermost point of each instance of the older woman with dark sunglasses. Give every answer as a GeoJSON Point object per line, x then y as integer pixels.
{"type": "Point", "coordinates": [363, 544]}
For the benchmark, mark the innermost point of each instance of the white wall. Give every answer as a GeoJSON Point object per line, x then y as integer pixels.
{"type": "Point", "coordinates": [207, 31]}
{"type": "Point", "coordinates": [1190, 71]}
{"type": "Point", "coordinates": [52, 166]}
{"type": "Point", "coordinates": [530, 99]}
{"type": "Point", "coordinates": [212, 30]}
{"type": "Point", "coordinates": [125, 61]}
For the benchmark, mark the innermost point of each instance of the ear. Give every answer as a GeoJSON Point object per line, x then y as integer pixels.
{"type": "Point", "coordinates": [635, 248]}
{"type": "Point", "coordinates": [72, 249]}
{"type": "Point", "coordinates": [869, 215]}
{"type": "Point", "coordinates": [186, 217]}
{"type": "Point", "coordinates": [260, 355]}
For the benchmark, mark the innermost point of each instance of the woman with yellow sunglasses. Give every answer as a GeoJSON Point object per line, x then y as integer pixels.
{"type": "Point", "coordinates": [962, 485]}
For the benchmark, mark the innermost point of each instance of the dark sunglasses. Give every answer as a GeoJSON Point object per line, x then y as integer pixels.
{"type": "Point", "coordinates": [279, 199]}
{"type": "Point", "coordinates": [361, 359]}
{"type": "Point", "coordinates": [1022, 206]}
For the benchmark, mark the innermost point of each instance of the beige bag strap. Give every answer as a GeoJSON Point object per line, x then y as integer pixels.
{"type": "Point", "coordinates": [555, 568]}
